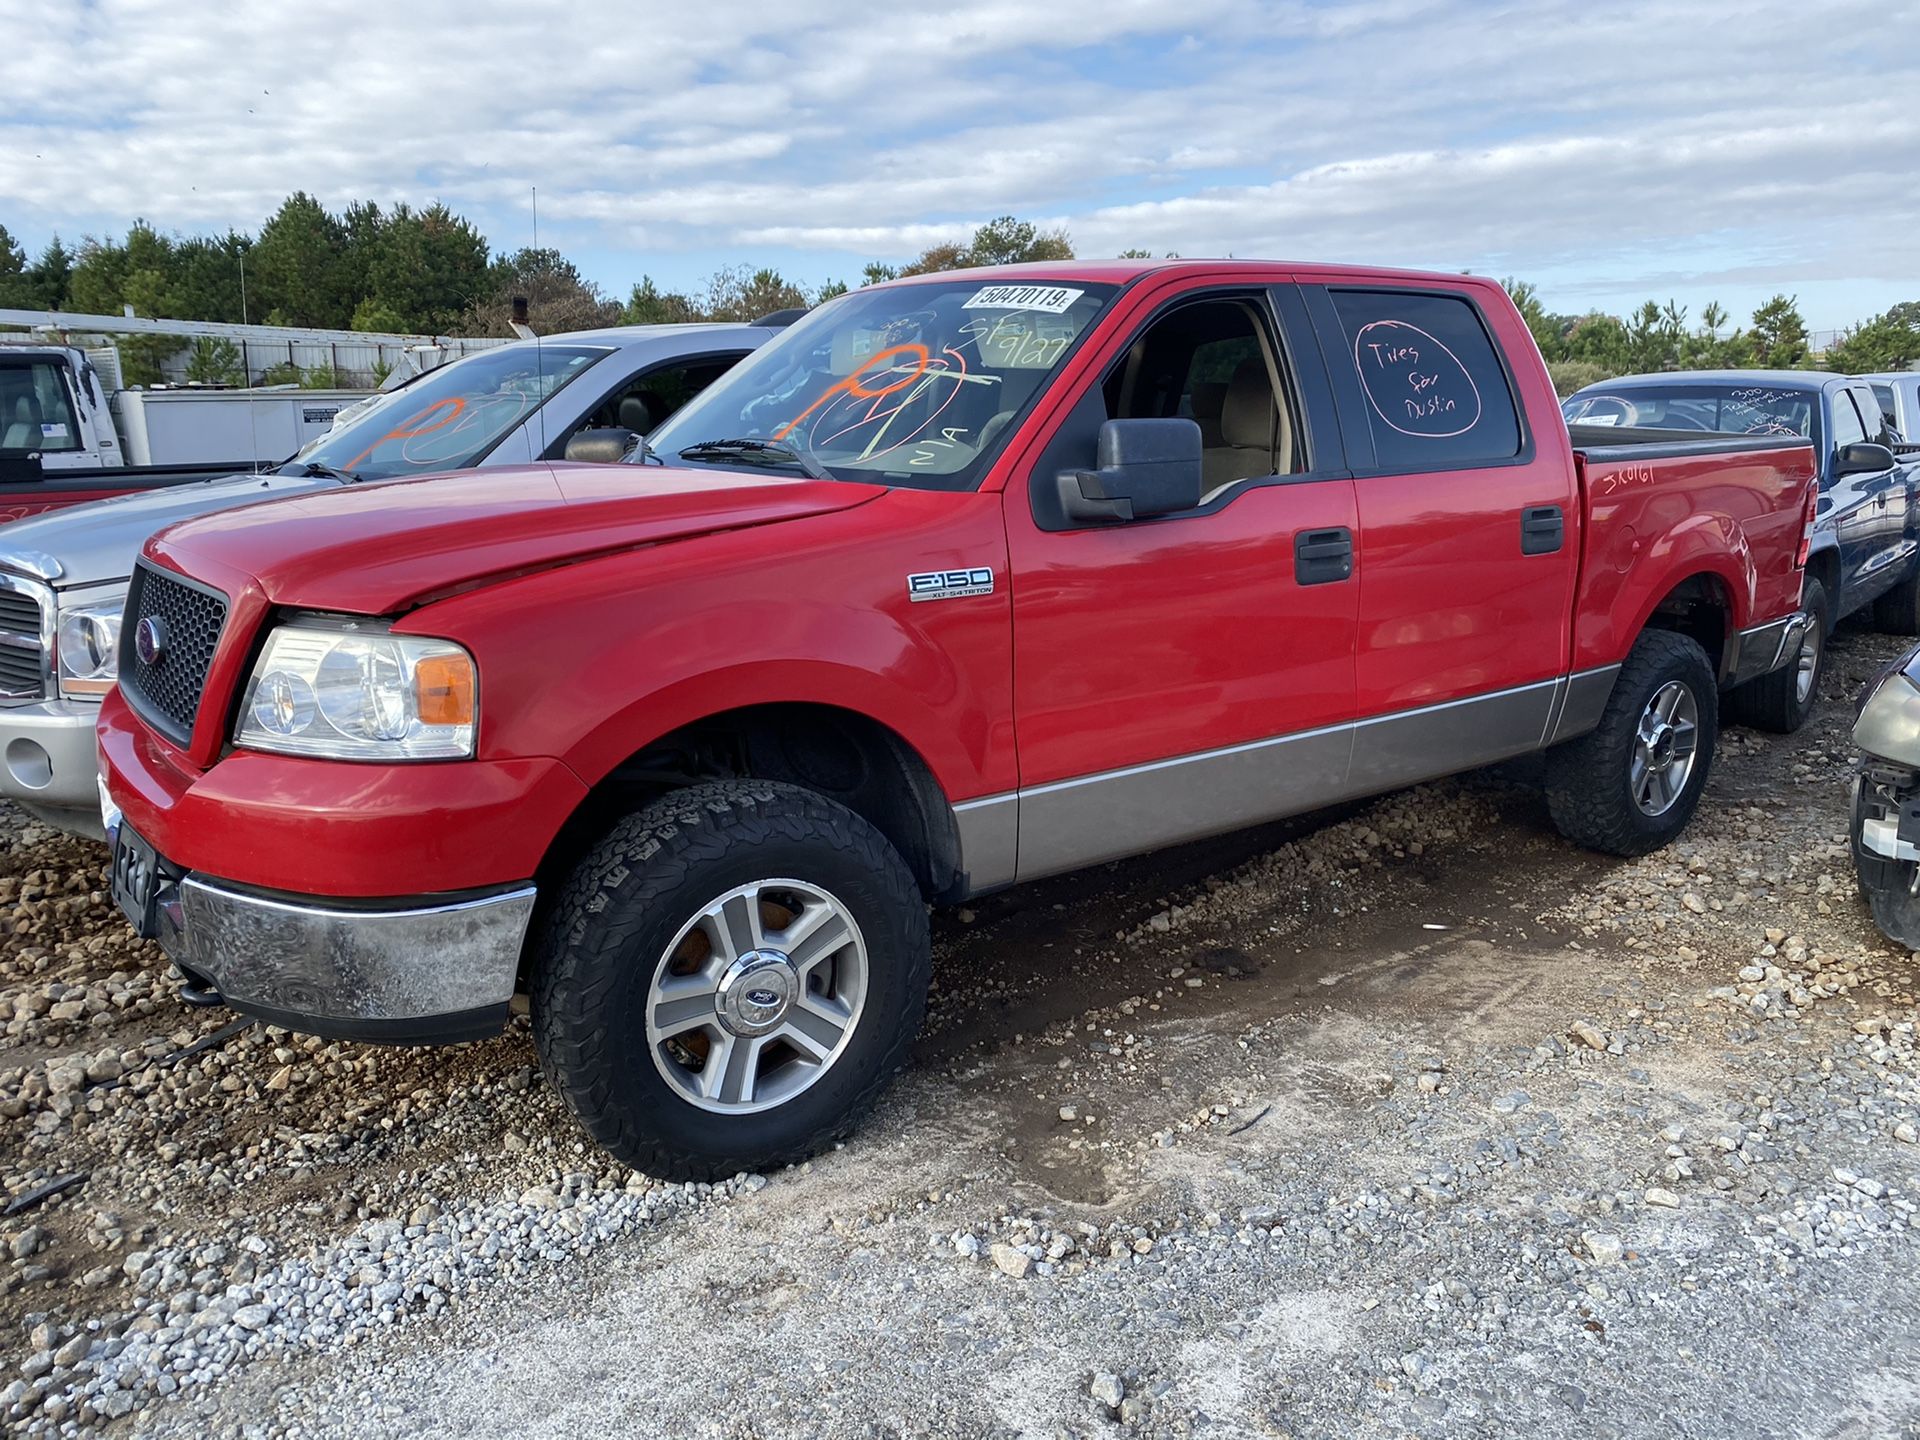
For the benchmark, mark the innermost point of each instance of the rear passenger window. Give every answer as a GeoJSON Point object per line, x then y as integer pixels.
{"type": "Point", "coordinates": [1435, 390]}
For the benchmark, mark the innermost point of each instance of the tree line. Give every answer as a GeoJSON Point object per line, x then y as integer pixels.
{"type": "Point", "coordinates": [410, 271]}
{"type": "Point", "coordinates": [1583, 349]}
{"type": "Point", "coordinates": [430, 271]}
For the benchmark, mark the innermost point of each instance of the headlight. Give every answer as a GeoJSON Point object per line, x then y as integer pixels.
{"type": "Point", "coordinates": [348, 690]}
{"type": "Point", "coordinates": [87, 644]}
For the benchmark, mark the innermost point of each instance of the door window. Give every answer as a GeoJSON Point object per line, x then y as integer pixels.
{"type": "Point", "coordinates": [1868, 404]}
{"type": "Point", "coordinates": [1884, 394]}
{"type": "Point", "coordinates": [1847, 427]}
{"type": "Point", "coordinates": [36, 411]}
{"type": "Point", "coordinates": [1213, 362]}
{"type": "Point", "coordinates": [643, 404]}
{"type": "Point", "coordinates": [1436, 392]}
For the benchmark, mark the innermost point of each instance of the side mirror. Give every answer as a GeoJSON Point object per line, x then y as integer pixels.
{"type": "Point", "coordinates": [1147, 467]}
{"type": "Point", "coordinates": [1863, 457]}
{"type": "Point", "coordinates": [601, 447]}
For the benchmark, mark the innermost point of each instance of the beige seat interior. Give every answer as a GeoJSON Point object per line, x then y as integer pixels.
{"type": "Point", "coordinates": [1256, 433]}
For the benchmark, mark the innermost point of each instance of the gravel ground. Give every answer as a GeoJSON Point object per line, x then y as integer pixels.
{"type": "Point", "coordinates": [1415, 1121]}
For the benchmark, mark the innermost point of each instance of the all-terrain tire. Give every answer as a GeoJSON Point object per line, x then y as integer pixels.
{"type": "Point", "coordinates": [1774, 701]}
{"type": "Point", "coordinates": [1589, 780]}
{"type": "Point", "coordinates": [611, 931]}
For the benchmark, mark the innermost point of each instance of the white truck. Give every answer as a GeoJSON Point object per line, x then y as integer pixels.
{"type": "Point", "coordinates": [55, 400]}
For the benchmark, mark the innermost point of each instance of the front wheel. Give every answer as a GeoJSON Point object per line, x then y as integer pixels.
{"type": "Point", "coordinates": [1783, 700]}
{"type": "Point", "coordinates": [1632, 783]}
{"type": "Point", "coordinates": [730, 979]}
{"type": "Point", "coordinates": [1897, 911]}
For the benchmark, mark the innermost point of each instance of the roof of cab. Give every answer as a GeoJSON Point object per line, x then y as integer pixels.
{"type": "Point", "coordinates": [1791, 379]}
{"type": "Point", "coordinates": [1119, 272]}
{"type": "Point", "coordinates": [625, 335]}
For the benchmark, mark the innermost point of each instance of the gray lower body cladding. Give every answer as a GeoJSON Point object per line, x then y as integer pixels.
{"type": "Point", "coordinates": [1053, 828]}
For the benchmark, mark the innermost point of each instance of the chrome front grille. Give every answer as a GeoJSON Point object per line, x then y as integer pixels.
{"type": "Point", "coordinates": [26, 618]}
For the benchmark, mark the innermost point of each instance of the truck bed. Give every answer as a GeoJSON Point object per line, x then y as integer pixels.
{"type": "Point", "coordinates": [1728, 508]}
{"type": "Point", "coordinates": [1599, 444]}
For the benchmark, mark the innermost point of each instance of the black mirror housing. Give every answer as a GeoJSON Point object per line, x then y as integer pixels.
{"type": "Point", "coordinates": [1147, 467]}
{"type": "Point", "coordinates": [1863, 457]}
{"type": "Point", "coordinates": [608, 446]}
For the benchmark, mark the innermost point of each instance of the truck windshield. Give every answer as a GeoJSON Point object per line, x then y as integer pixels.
{"type": "Point", "coordinates": [914, 385]}
{"type": "Point", "coordinates": [452, 416]}
{"type": "Point", "coordinates": [1726, 409]}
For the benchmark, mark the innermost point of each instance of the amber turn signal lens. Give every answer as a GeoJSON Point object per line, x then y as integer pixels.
{"type": "Point", "coordinates": [443, 690]}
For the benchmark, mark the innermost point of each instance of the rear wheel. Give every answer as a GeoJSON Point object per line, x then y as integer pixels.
{"type": "Point", "coordinates": [731, 978]}
{"type": "Point", "coordinates": [1783, 700]}
{"type": "Point", "coordinates": [1632, 784]}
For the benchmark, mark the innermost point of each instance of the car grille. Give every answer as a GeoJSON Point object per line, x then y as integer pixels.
{"type": "Point", "coordinates": [167, 692]}
{"type": "Point", "coordinates": [23, 651]}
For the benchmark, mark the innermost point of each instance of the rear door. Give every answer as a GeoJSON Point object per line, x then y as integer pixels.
{"type": "Point", "coordinates": [1469, 533]}
{"type": "Point", "coordinates": [1191, 673]}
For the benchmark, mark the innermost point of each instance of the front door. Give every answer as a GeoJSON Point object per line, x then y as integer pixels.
{"type": "Point", "coordinates": [1192, 673]}
{"type": "Point", "coordinates": [1868, 521]}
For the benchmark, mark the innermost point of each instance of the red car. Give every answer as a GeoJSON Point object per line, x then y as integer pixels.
{"type": "Point", "coordinates": [961, 581]}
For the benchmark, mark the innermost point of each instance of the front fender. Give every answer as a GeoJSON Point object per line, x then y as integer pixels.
{"type": "Point", "coordinates": [592, 662]}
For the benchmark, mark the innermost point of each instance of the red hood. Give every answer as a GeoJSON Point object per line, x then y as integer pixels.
{"type": "Point", "coordinates": [378, 548]}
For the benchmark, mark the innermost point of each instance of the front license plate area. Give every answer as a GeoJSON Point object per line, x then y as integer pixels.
{"type": "Point", "coordinates": [135, 881]}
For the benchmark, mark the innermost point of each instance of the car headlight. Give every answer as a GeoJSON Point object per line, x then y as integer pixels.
{"type": "Point", "coordinates": [348, 690]}
{"type": "Point", "coordinates": [86, 644]}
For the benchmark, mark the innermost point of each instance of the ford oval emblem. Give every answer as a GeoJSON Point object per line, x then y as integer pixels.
{"type": "Point", "coordinates": [765, 999]}
{"type": "Point", "coordinates": [150, 640]}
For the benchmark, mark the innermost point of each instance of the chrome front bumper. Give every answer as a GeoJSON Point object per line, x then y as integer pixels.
{"type": "Point", "coordinates": [423, 974]}
{"type": "Point", "coordinates": [49, 765]}
{"type": "Point", "coordinates": [1765, 648]}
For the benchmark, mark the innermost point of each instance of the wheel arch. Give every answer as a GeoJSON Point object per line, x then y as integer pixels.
{"type": "Point", "coordinates": [1823, 564]}
{"type": "Point", "coordinates": [1702, 607]}
{"type": "Point", "coordinates": [842, 753]}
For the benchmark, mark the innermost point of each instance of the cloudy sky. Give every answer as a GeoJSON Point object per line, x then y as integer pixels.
{"type": "Point", "coordinates": [1606, 151]}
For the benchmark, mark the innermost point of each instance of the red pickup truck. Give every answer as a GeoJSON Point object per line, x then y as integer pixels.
{"type": "Point", "coordinates": [961, 581]}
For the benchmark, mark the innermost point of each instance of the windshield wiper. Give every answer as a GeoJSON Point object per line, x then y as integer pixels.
{"type": "Point", "coordinates": [756, 452]}
{"type": "Point", "coordinates": [313, 469]}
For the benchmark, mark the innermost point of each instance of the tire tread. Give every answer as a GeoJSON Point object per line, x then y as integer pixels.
{"type": "Point", "coordinates": [648, 854]}
{"type": "Point", "coordinates": [1588, 803]}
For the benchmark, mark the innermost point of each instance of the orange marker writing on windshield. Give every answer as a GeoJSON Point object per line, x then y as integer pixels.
{"type": "Point", "coordinates": [414, 428]}
{"type": "Point", "coordinates": [852, 386]}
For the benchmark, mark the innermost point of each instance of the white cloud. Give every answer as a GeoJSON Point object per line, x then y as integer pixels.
{"type": "Point", "coordinates": [1599, 149]}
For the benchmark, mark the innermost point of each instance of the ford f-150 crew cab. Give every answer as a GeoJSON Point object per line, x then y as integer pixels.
{"type": "Point", "coordinates": [960, 581]}
{"type": "Point", "coordinates": [63, 577]}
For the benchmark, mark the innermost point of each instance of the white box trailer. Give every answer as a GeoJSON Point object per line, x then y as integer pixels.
{"type": "Point", "coordinates": [184, 427]}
